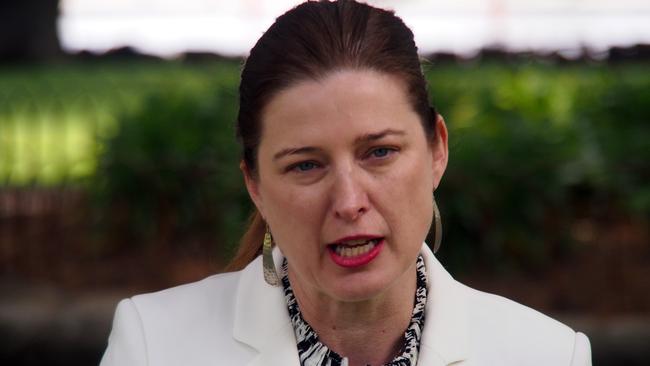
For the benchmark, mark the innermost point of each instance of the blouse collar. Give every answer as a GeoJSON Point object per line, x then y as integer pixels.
{"type": "Point", "coordinates": [261, 319]}
{"type": "Point", "coordinates": [312, 351]}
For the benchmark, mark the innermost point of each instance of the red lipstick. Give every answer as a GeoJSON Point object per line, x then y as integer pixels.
{"type": "Point", "coordinates": [356, 251]}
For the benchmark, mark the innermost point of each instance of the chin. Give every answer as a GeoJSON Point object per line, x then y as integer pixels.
{"type": "Point", "coordinates": [360, 287]}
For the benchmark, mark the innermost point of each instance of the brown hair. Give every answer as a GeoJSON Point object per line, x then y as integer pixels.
{"type": "Point", "coordinates": [306, 43]}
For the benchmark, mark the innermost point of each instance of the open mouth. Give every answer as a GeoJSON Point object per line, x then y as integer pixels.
{"type": "Point", "coordinates": [357, 252]}
{"type": "Point", "coordinates": [354, 248]}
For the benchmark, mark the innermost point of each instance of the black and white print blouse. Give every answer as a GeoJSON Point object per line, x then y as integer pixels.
{"type": "Point", "coordinates": [314, 353]}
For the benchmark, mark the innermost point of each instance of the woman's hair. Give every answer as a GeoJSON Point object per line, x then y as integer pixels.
{"type": "Point", "coordinates": [309, 42]}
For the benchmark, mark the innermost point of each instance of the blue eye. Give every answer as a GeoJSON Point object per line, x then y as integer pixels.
{"type": "Point", "coordinates": [380, 152]}
{"type": "Point", "coordinates": [305, 166]}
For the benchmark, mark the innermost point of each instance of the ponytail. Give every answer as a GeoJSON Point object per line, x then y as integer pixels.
{"type": "Point", "coordinates": [250, 245]}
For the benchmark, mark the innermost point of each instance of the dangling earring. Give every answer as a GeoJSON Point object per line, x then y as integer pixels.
{"type": "Point", "coordinates": [438, 226]}
{"type": "Point", "coordinates": [270, 273]}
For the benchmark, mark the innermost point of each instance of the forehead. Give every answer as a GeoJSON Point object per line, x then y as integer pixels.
{"type": "Point", "coordinates": [344, 103]}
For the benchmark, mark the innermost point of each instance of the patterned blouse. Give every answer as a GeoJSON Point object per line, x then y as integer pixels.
{"type": "Point", "coordinates": [314, 353]}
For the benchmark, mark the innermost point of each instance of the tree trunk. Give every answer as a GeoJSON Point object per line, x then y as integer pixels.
{"type": "Point", "coordinates": [28, 30]}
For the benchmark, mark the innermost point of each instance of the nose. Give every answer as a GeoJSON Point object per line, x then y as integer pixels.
{"type": "Point", "coordinates": [350, 198]}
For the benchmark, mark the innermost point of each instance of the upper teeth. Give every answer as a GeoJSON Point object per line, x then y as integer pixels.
{"type": "Point", "coordinates": [356, 242]}
{"type": "Point", "coordinates": [353, 251]}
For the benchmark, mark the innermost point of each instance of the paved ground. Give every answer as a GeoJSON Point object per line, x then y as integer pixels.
{"type": "Point", "coordinates": [44, 325]}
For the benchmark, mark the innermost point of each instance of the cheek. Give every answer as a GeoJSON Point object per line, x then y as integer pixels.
{"type": "Point", "coordinates": [293, 213]}
{"type": "Point", "coordinates": [410, 194]}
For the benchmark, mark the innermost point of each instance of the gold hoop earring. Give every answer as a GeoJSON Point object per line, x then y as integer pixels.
{"type": "Point", "coordinates": [270, 273]}
{"type": "Point", "coordinates": [437, 238]}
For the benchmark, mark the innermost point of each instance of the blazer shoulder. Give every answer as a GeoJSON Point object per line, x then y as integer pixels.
{"type": "Point", "coordinates": [191, 324]}
{"type": "Point", "coordinates": [513, 333]}
{"type": "Point", "coordinates": [126, 343]}
{"type": "Point", "coordinates": [216, 290]}
{"type": "Point", "coordinates": [192, 309]}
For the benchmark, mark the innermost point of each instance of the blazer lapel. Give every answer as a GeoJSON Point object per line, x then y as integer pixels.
{"type": "Point", "coordinates": [262, 321]}
{"type": "Point", "coordinates": [445, 335]}
{"type": "Point", "coordinates": [261, 318]}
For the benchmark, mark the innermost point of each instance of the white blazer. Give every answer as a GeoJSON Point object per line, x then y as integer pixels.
{"type": "Point", "coordinates": [237, 319]}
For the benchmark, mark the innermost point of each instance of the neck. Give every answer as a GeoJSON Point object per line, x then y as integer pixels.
{"type": "Point", "coordinates": [369, 332]}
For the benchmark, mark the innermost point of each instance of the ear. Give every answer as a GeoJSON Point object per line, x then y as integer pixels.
{"type": "Point", "coordinates": [439, 151]}
{"type": "Point", "coordinates": [252, 186]}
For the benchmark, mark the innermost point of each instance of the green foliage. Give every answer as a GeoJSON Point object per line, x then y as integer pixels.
{"type": "Point", "coordinates": [523, 140]}
{"type": "Point", "coordinates": [616, 122]}
{"type": "Point", "coordinates": [52, 116]}
{"type": "Point", "coordinates": [172, 165]}
{"type": "Point", "coordinates": [155, 144]}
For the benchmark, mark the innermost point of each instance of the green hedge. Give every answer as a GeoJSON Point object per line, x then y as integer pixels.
{"type": "Point", "coordinates": [533, 147]}
{"type": "Point", "coordinates": [530, 145]}
{"type": "Point", "coordinates": [54, 117]}
{"type": "Point", "coordinates": [172, 167]}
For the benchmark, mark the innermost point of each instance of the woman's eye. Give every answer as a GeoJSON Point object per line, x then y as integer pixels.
{"type": "Point", "coordinates": [381, 152]}
{"type": "Point", "coordinates": [304, 166]}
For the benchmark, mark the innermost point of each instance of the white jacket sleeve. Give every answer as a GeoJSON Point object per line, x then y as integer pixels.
{"type": "Point", "coordinates": [581, 351]}
{"type": "Point", "coordinates": [126, 344]}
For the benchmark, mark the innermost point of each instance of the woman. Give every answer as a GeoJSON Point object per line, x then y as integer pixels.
{"type": "Point", "coordinates": [341, 156]}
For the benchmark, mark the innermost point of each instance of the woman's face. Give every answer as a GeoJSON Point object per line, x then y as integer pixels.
{"type": "Point", "coordinates": [345, 181]}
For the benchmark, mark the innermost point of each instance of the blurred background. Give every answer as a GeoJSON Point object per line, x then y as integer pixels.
{"type": "Point", "coordinates": [119, 167]}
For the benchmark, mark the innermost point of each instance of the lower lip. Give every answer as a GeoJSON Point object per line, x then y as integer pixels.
{"type": "Point", "coordinates": [358, 261]}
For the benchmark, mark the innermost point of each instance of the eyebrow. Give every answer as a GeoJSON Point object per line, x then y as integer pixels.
{"type": "Point", "coordinates": [359, 140]}
{"type": "Point", "coordinates": [294, 150]}
{"type": "Point", "coordinates": [378, 136]}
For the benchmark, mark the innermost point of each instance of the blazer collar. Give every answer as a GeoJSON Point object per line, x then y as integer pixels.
{"type": "Point", "coordinates": [262, 321]}
{"type": "Point", "coordinates": [261, 317]}
{"type": "Point", "coordinates": [445, 335]}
